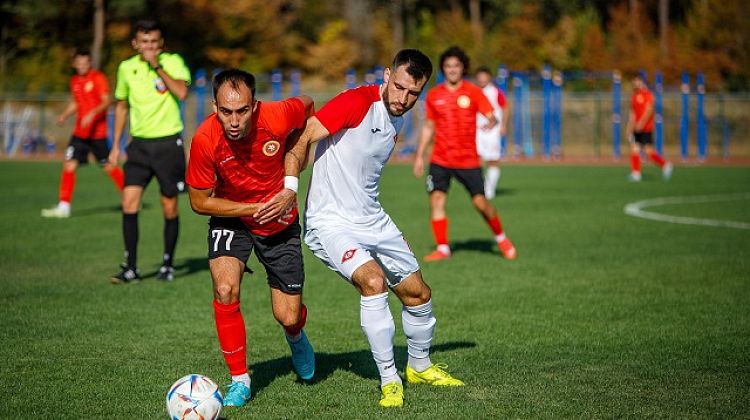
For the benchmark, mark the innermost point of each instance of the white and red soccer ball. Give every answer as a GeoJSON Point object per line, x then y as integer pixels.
{"type": "Point", "coordinates": [194, 397]}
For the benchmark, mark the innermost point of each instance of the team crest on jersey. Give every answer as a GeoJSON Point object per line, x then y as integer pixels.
{"type": "Point", "coordinates": [463, 101]}
{"type": "Point", "coordinates": [159, 85]}
{"type": "Point", "coordinates": [88, 87]}
{"type": "Point", "coordinates": [348, 255]}
{"type": "Point", "coordinates": [271, 148]}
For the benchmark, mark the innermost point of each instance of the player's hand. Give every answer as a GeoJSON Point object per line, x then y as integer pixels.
{"type": "Point", "coordinates": [277, 208]}
{"type": "Point", "coordinates": [418, 166]}
{"type": "Point", "coordinates": [60, 120]}
{"type": "Point", "coordinates": [488, 126]}
{"type": "Point", "coordinates": [87, 119]}
{"type": "Point", "coordinates": [114, 155]}
{"type": "Point", "coordinates": [151, 56]}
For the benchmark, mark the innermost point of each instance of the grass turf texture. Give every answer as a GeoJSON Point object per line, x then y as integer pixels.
{"type": "Point", "coordinates": [602, 315]}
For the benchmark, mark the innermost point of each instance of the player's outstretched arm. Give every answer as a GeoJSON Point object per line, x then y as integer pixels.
{"type": "Point", "coordinates": [203, 202]}
{"type": "Point", "coordinates": [295, 160]}
{"type": "Point", "coordinates": [425, 137]}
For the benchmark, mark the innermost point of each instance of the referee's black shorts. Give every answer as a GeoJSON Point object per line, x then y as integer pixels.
{"type": "Point", "coordinates": [162, 157]}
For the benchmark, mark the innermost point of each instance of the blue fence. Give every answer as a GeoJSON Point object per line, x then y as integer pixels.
{"type": "Point", "coordinates": [539, 103]}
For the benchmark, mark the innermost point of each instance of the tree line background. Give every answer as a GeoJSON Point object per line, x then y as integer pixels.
{"type": "Point", "coordinates": [324, 38]}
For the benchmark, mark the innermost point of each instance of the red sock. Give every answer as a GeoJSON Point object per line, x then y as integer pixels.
{"type": "Point", "coordinates": [440, 230]}
{"type": "Point", "coordinates": [656, 158]}
{"type": "Point", "coordinates": [295, 329]}
{"type": "Point", "coordinates": [117, 177]}
{"type": "Point", "coordinates": [67, 184]}
{"type": "Point", "coordinates": [635, 162]}
{"type": "Point", "coordinates": [495, 225]}
{"type": "Point", "coordinates": [231, 329]}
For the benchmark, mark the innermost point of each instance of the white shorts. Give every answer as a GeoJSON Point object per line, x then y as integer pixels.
{"type": "Point", "coordinates": [344, 247]}
{"type": "Point", "coordinates": [488, 143]}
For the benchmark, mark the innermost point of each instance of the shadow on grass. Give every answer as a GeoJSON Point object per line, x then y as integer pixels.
{"type": "Point", "coordinates": [93, 211]}
{"type": "Point", "coordinates": [184, 267]}
{"type": "Point", "coordinates": [474, 245]}
{"type": "Point", "coordinates": [358, 362]}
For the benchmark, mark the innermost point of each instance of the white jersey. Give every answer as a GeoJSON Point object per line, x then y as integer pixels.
{"type": "Point", "coordinates": [348, 163]}
{"type": "Point", "coordinates": [345, 225]}
{"type": "Point", "coordinates": [488, 141]}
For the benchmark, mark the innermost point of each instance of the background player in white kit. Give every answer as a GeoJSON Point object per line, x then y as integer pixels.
{"type": "Point", "coordinates": [488, 141]}
{"type": "Point", "coordinates": [347, 228]}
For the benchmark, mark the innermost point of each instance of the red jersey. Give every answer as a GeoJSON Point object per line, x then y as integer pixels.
{"type": "Point", "coordinates": [454, 113]}
{"type": "Point", "coordinates": [250, 170]}
{"type": "Point", "coordinates": [641, 100]}
{"type": "Point", "coordinates": [87, 93]}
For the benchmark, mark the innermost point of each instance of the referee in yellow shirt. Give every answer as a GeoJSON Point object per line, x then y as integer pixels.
{"type": "Point", "coordinates": [150, 86]}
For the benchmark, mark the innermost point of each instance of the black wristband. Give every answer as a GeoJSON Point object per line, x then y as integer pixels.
{"type": "Point", "coordinates": [158, 66]}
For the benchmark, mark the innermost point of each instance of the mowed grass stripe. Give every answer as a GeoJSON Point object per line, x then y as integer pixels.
{"type": "Point", "coordinates": [602, 315]}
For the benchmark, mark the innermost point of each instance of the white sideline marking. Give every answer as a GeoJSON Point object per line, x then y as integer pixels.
{"type": "Point", "coordinates": [636, 210]}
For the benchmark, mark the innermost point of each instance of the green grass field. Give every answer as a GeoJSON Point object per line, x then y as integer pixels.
{"type": "Point", "coordinates": [602, 314]}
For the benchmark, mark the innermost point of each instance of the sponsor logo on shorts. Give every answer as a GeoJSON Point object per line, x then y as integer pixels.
{"type": "Point", "coordinates": [348, 255]}
{"type": "Point", "coordinates": [463, 101]}
{"type": "Point", "coordinates": [180, 186]}
{"type": "Point", "coordinates": [271, 148]}
{"type": "Point", "coordinates": [69, 152]}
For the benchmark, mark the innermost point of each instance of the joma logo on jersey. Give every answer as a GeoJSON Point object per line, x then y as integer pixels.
{"type": "Point", "coordinates": [271, 148]}
{"type": "Point", "coordinates": [348, 255]}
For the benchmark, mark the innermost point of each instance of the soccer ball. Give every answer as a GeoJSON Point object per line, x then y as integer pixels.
{"type": "Point", "coordinates": [194, 397]}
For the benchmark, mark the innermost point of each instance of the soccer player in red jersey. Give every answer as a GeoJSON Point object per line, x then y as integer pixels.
{"type": "Point", "coordinates": [451, 110]}
{"type": "Point", "coordinates": [237, 163]}
{"type": "Point", "coordinates": [640, 130]}
{"type": "Point", "coordinates": [90, 101]}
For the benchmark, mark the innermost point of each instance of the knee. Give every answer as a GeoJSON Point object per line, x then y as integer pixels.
{"type": "Point", "coordinates": [287, 319]}
{"type": "Point", "coordinates": [226, 294]}
{"type": "Point", "coordinates": [373, 285]}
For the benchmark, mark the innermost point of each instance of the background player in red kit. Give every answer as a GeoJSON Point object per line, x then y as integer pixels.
{"type": "Point", "coordinates": [236, 164]}
{"type": "Point", "coordinates": [640, 130]}
{"type": "Point", "coordinates": [90, 102]}
{"type": "Point", "coordinates": [451, 113]}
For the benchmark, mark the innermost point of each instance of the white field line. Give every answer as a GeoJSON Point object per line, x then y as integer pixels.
{"type": "Point", "coordinates": [636, 210]}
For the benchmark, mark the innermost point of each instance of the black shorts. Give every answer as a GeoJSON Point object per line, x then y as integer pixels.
{"type": "Point", "coordinates": [280, 254]}
{"type": "Point", "coordinates": [79, 149]}
{"type": "Point", "coordinates": [643, 138]}
{"type": "Point", "coordinates": [439, 179]}
{"type": "Point", "coordinates": [163, 157]}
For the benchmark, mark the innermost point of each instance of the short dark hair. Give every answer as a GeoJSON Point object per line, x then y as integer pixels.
{"type": "Point", "coordinates": [234, 77]}
{"type": "Point", "coordinates": [483, 69]}
{"type": "Point", "coordinates": [418, 65]}
{"type": "Point", "coordinates": [146, 26]}
{"type": "Point", "coordinates": [457, 52]}
{"type": "Point", "coordinates": [82, 51]}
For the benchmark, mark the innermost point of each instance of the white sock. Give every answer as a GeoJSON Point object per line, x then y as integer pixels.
{"type": "Point", "coordinates": [64, 205]}
{"type": "Point", "coordinates": [499, 238]}
{"type": "Point", "coordinates": [444, 248]}
{"type": "Point", "coordinates": [244, 378]}
{"type": "Point", "coordinates": [419, 327]}
{"type": "Point", "coordinates": [377, 324]}
{"type": "Point", "coordinates": [490, 183]}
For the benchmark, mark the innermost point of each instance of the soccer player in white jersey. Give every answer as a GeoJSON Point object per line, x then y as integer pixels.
{"type": "Point", "coordinates": [347, 228]}
{"type": "Point", "coordinates": [488, 141]}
